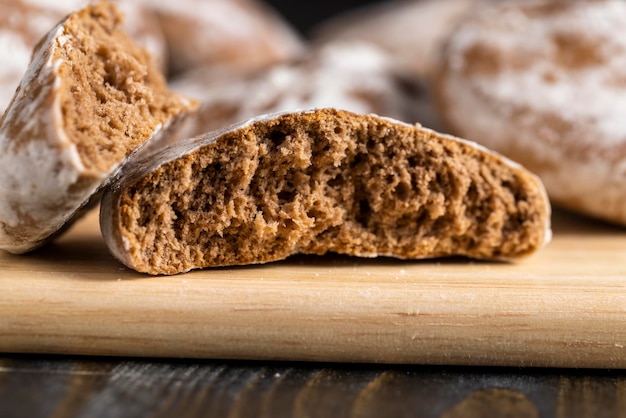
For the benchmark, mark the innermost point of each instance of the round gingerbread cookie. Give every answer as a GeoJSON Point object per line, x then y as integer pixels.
{"type": "Point", "coordinates": [240, 35]}
{"type": "Point", "coordinates": [353, 76]}
{"type": "Point", "coordinates": [544, 82]}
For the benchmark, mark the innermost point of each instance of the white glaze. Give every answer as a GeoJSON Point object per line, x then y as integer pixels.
{"type": "Point", "coordinates": [34, 177]}
{"type": "Point", "coordinates": [580, 169]}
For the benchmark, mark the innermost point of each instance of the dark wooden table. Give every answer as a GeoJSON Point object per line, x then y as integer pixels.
{"type": "Point", "coordinates": [48, 386]}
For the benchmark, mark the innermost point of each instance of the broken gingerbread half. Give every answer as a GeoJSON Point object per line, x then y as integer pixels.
{"type": "Point", "coordinates": [320, 181]}
{"type": "Point", "coordinates": [89, 99]}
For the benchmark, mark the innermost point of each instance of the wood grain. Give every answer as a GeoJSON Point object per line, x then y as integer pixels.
{"type": "Point", "coordinates": [564, 307]}
{"type": "Point", "coordinates": [98, 387]}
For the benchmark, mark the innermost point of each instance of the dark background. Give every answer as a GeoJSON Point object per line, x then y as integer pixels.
{"type": "Point", "coordinates": [306, 14]}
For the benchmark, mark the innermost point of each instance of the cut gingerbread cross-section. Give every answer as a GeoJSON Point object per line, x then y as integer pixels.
{"type": "Point", "coordinates": [89, 99]}
{"type": "Point", "coordinates": [320, 181]}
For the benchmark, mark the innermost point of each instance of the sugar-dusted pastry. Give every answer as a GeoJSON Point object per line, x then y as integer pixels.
{"type": "Point", "coordinates": [89, 99]}
{"type": "Point", "coordinates": [544, 82]}
{"type": "Point", "coordinates": [412, 32]}
{"type": "Point", "coordinates": [353, 76]}
{"type": "Point", "coordinates": [238, 35]}
{"type": "Point", "coordinates": [25, 22]}
{"type": "Point", "coordinates": [315, 182]}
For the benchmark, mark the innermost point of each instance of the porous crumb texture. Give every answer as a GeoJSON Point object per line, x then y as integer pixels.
{"type": "Point", "coordinates": [113, 97]}
{"type": "Point", "coordinates": [328, 181]}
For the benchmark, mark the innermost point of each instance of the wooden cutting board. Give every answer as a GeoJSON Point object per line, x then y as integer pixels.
{"type": "Point", "coordinates": [565, 306]}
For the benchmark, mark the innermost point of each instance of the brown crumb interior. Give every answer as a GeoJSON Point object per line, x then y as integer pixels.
{"type": "Point", "coordinates": [329, 181]}
{"type": "Point", "coordinates": [112, 96]}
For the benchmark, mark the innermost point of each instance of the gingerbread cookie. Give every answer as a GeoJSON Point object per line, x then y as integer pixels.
{"type": "Point", "coordinates": [320, 181]}
{"type": "Point", "coordinates": [543, 82]}
{"type": "Point", "coordinates": [238, 35]}
{"type": "Point", "coordinates": [89, 99]}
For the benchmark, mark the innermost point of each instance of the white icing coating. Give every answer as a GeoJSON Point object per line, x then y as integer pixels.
{"type": "Point", "coordinates": [41, 60]}
{"type": "Point", "coordinates": [340, 71]}
{"type": "Point", "coordinates": [565, 118]}
{"type": "Point", "coordinates": [26, 178]}
{"type": "Point", "coordinates": [119, 248]}
{"type": "Point", "coordinates": [36, 174]}
{"type": "Point", "coordinates": [587, 94]}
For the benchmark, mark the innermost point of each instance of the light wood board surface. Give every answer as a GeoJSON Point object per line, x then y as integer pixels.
{"type": "Point", "coordinates": [563, 307]}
